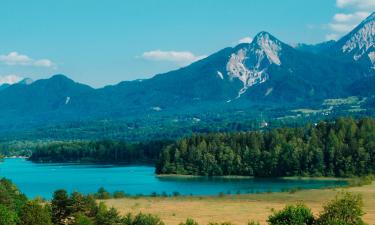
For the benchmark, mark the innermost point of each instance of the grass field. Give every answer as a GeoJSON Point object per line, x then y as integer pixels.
{"type": "Point", "coordinates": [238, 209]}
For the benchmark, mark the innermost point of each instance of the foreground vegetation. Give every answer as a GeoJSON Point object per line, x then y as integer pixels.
{"type": "Point", "coordinates": [342, 148]}
{"type": "Point", "coordinates": [239, 209]}
{"type": "Point", "coordinates": [78, 209]}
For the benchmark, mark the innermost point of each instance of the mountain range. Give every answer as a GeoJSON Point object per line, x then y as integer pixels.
{"type": "Point", "coordinates": [264, 74]}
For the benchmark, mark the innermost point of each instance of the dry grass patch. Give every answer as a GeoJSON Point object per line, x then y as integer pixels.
{"type": "Point", "coordinates": [238, 209]}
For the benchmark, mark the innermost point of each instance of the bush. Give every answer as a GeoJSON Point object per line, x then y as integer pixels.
{"type": "Point", "coordinates": [81, 219]}
{"type": "Point", "coordinates": [10, 196]}
{"type": "Point", "coordinates": [221, 194]}
{"type": "Point", "coordinates": [102, 194]}
{"type": "Point", "coordinates": [119, 194]}
{"type": "Point", "coordinates": [34, 213]}
{"type": "Point", "coordinates": [345, 209]}
{"type": "Point", "coordinates": [360, 181]}
{"type": "Point", "coordinates": [253, 223]}
{"type": "Point", "coordinates": [292, 215]}
{"type": "Point", "coordinates": [142, 219]}
{"type": "Point", "coordinates": [7, 217]}
{"type": "Point", "coordinates": [189, 222]}
{"type": "Point", "coordinates": [61, 207]}
{"type": "Point", "coordinates": [224, 223]}
{"type": "Point", "coordinates": [107, 217]}
{"type": "Point", "coordinates": [85, 205]}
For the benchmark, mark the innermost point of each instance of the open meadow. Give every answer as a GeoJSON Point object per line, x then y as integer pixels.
{"type": "Point", "coordinates": [238, 209]}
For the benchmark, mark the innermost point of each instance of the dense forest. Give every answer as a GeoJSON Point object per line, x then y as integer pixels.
{"type": "Point", "coordinates": [341, 148]}
{"type": "Point", "coordinates": [172, 127]}
{"type": "Point", "coordinates": [106, 151]}
{"type": "Point", "coordinates": [78, 209]}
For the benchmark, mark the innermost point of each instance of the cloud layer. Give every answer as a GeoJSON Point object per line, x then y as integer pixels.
{"type": "Point", "coordinates": [10, 79]}
{"type": "Point", "coordinates": [181, 58]}
{"type": "Point", "coordinates": [359, 4]}
{"type": "Point", "coordinates": [15, 59]}
{"type": "Point", "coordinates": [245, 40]}
{"type": "Point", "coordinates": [342, 23]}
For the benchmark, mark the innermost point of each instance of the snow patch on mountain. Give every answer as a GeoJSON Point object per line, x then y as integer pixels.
{"type": "Point", "coordinates": [269, 91]}
{"type": "Point", "coordinates": [67, 100]}
{"type": "Point", "coordinates": [250, 64]}
{"type": "Point", "coordinates": [156, 108]}
{"type": "Point", "coordinates": [270, 47]}
{"type": "Point", "coordinates": [237, 69]}
{"type": "Point", "coordinates": [220, 74]}
{"type": "Point", "coordinates": [362, 40]}
{"type": "Point", "coordinates": [371, 55]}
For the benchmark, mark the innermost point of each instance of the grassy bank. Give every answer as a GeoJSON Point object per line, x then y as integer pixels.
{"type": "Point", "coordinates": [237, 208]}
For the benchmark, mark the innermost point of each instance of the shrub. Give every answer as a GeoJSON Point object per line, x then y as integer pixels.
{"type": "Point", "coordinates": [7, 217]}
{"type": "Point", "coordinates": [10, 196]}
{"type": "Point", "coordinates": [142, 219]}
{"type": "Point", "coordinates": [61, 207]}
{"type": "Point", "coordinates": [360, 181]}
{"type": "Point", "coordinates": [102, 194]}
{"type": "Point", "coordinates": [292, 215]}
{"type": "Point", "coordinates": [33, 213]}
{"type": "Point", "coordinates": [189, 222]}
{"type": "Point", "coordinates": [224, 223]}
{"type": "Point", "coordinates": [85, 205]}
{"type": "Point", "coordinates": [107, 217]}
{"type": "Point", "coordinates": [253, 223]}
{"type": "Point", "coordinates": [119, 194]}
{"type": "Point", "coordinates": [345, 209]}
{"type": "Point", "coordinates": [221, 194]}
{"type": "Point", "coordinates": [81, 219]}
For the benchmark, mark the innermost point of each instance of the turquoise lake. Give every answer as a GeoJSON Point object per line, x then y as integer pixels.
{"type": "Point", "coordinates": [42, 179]}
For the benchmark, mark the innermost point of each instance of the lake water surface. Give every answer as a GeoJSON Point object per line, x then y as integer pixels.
{"type": "Point", "coordinates": [42, 179]}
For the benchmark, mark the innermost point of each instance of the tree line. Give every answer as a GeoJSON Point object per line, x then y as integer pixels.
{"type": "Point", "coordinates": [344, 147]}
{"type": "Point", "coordinates": [79, 209]}
{"type": "Point", "coordinates": [105, 151]}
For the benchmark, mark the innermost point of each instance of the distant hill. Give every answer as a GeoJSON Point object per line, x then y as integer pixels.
{"type": "Point", "coordinates": [264, 75]}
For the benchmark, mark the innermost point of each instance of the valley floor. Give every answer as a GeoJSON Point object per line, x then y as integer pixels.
{"type": "Point", "coordinates": [238, 209]}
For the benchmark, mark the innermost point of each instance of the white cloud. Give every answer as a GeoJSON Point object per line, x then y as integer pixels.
{"type": "Point", "coordinates": [10, 79]}
{"type": "Point", "coordinates": [341, 27]}
{"type": "Point", "coordinates": [350, 17]}
{"type": "Point", "coordinates": [357, 4]}
{"type": "Point", "coordinates": [343, 23]}
{"type": "Point", "coordinates": [15, 58]}
{"type": "Point", "coordinates": [330, 37]}
{"type": "Point", "coordinates": [44, 63]}
{"type": "Point", "coordinates": [183, 57]}
{"type": "Point", "coordinates": [356, 12]}
{"type": "Point", "coordinates": [245, 40]}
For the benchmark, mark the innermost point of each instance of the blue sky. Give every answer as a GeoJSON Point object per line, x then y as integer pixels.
{"type": "Point", "coordinates": [105, 42]}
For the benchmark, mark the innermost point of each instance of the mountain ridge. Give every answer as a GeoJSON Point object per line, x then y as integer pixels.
{"type": "Point", "coordinates": [266, 73]}
{"type": "Point", "coordinates": [359, 44]}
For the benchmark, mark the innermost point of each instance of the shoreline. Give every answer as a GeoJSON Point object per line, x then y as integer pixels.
{"type": "Point", "coordinates": [183, 175]}
{"type": "Point", "coordinates": [15, 157]}
{"type": "Point", "coordinates": [198, 176]}
{"type": "Point", "coordinates": [252, 177]}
